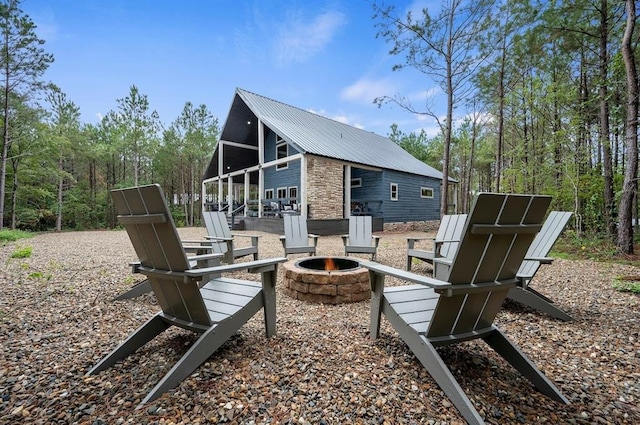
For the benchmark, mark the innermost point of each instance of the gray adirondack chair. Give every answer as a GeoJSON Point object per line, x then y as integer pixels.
{"type": "Point", "coordinates": [223, 239]}
{"type": "Point", "coordinates": [461, 303]}
{"type": "Point", "coordinates": [360, 239]}
{"type": "Point", "coordinates": [200, 255]}
{"type": "Point", "coordinates": [215, 310]}
{"type": "Point", "coordinates": [296, 238]}
{"type": "Point", "coordinates": [536, 256]}
{"type": "Point", "coordinates": [444, 244]}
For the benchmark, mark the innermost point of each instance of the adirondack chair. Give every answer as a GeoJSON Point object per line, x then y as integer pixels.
{"type": "Point", "coordinates": [215, 310]}
{"type": "Point", "coordinates": [224, 240]}
{"type": "Point", "coordinates": [360, 239]}
{"type": "Point", "coordinates": [461, 303]}
{"type": "Point", "coordinates": [444, 244]}
{"type": "Point", "coordinates": [296, 238]}
{"type": "Point", "coordinates": [535, 257]}
{"type": "Point", "coordinates": [200, 254]}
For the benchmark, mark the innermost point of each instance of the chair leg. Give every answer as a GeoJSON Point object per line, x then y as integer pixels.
{"type": "Point", "coordinates": [409, 261]}
{"type": "Point", "coordinates": [269, 297]}
{"type": "Point", "coordinates": [439, 371]}
{"type": "Point", "coordinates": [503, 346]}
{"type": "Point", "coordinates": [377, 286]}
{"type": "Point", "coordinates": [136, 290]}
{"type": "Point", "coordinates": [531, 299]}
{"type": "Point", "coordinates": [140, 337]}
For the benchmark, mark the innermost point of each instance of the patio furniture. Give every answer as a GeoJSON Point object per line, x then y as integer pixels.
{"type": "Point", "coordinates": [224, 241]}
{"type": "Point", "coordinates": [536, 256]}
{"type": "Point", "coordinates": [296, 238]}
{"type": "Point", "coordinates": [462, 301]}
{"type": "Point", "coordinates": [444, 244]}
{"type": "Point", "coordinates": [360, 239]}
{"type": "Point", "coordinates": [215, 310]}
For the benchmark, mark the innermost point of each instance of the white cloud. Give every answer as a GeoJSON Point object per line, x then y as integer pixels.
{"type": "Point", "coordinates": [365, 90]}
{"type": "Point", "coordinates": [301, 39]}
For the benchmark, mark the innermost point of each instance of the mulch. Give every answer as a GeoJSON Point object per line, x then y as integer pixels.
{"type": "Point", "coordinates": [57, 319]}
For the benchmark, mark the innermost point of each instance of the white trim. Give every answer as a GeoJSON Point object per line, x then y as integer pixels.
{"type": "Point", "coordinates": [357, 180]}
{"type": "Point", "coordinates": [266, 196]}
{"type": "Point", "coordinates": [397, 191]}
{"type": "Point", "coordinates": [286, 192]}
{"type": "Point", "coordinates": [422, 188]}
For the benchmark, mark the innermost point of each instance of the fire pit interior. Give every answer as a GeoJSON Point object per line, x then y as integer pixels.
{"type": "Point", "coordinates": [327, 280]}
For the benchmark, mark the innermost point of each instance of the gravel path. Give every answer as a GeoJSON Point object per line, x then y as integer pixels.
{"type": "Point", "coordinates": [57, 319]}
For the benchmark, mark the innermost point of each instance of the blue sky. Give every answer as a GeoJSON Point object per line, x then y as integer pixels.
{"type": "Point", "coordinates": [319, 55]}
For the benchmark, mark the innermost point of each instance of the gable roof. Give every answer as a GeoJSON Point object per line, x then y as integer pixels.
{"type": "Point", "coordinates": [314, 134]}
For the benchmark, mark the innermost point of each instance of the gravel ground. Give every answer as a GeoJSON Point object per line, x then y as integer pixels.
{"type": "Point", "coordinates": [57, 319]}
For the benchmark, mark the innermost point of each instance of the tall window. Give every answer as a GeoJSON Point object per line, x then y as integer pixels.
{"type": "Point", "coordinates": [282, 151]}
{"type": "Point", "coordinates": [282, 192]}
{"type": "Point", "coordinates": [293, 192]}
{"type": "Point", "coordinates": [268, 194]}
{"type": "Point", "coordinates": [394, 191]}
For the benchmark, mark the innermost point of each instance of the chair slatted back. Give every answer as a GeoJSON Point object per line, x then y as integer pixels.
{"type": "Point", "coordinates": [295, 231]}
{"type": "Point", "coordinates": [216, 224]}
{"type": "Point", "coordinates": [498, 231]}
{"type": "Point", "coordinates": [449, 234]}
{"type": "Point", "coordinates": [544, 241]}
{"type": "Point", "coordinates": [144, 213]}
{"type": "Point", "coordinates": [360, 233]}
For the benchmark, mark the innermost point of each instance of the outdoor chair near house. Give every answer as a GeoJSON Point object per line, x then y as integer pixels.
{"type": "Point", "coordinates": [224, 241]}
{"type": "Point", "coordinates": [360, 239]}
{"type": "Point", "coordinates": [445, 242]}
{"type": "Point", "coordinates": [200, 254]}
{"type": "Point", "coordinates": [461, 302]}
{"type": "Point", "coordinates": [450, 232]}
{"type": "Point", "coordinates": [215, 310]}
{"type": "Point", "coordinates": [536, 256]}
{"type": "Point", "coordinates": [296, 239]}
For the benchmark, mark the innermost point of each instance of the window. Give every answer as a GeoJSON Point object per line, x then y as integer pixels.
{"type": "Point", "coordinates": [394, 191]}
{"type": "Point", "coordinates": [268, 194]}
{"type": "Point", "coordinates": [356, 182]}
{"type": "Point", "coordinates": [426, 192]}
{"type": "Point", "coordinates": [293, 193]}
{"type": "Point", "coordinates": [282, 151]}
{"type": "Point", "coordinates": [282, 192]}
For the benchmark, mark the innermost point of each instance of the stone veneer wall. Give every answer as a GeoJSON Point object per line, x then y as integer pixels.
{"type": "Point", "coordinates": [325, 188]}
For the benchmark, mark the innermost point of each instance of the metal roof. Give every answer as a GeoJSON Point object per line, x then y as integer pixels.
{"type": "Point", "coordinates": [314, 134]}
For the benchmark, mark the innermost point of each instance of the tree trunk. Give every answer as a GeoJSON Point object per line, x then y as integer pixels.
{"type": "Point", "coordinates": [630, 185]}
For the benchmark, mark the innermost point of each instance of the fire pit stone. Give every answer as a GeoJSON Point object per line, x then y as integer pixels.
{"type": "Point", "coordinates": [349, 283]}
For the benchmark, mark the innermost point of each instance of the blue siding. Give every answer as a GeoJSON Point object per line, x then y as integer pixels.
{"type": "Point", "coordinates": [285, 177]}
{"type": "Point", "coordinates": [375, 195]}
{"type": "Point", "coordinates": [410, 206]}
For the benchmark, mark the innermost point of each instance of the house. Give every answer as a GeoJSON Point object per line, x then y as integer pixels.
{"type": "Point", "coordinates": [275, 159]}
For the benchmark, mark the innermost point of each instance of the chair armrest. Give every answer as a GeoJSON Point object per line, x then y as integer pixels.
{"type": "Point", "coordinates": [252, 266]}
{"type": "Point", "coordinates": [314, 238]}
{"type": "Point", "coordinates": [217, 238]}
{"type": "Point", "coordinates": [404, 275]}
{"type": "Point", "coordinates": [244, 236]}
{"type": "Point", "coordinates": [203, 257]}
{"type": "Point", "coordinates": [376, 240]}
{"type": "Point", "coordinates": [542, 260]}
{"type": "Point", "coordinates": [345, 239]}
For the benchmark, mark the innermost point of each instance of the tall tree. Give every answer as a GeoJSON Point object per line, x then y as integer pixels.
{"type": "Point", "coordinates": [65, 123]}
{"type": "Point", "coordinates": [23, 62]}
{"type": "Point", "coordinates": [630, 185]}
{"type": "Point", "coordinates": [444, 48]}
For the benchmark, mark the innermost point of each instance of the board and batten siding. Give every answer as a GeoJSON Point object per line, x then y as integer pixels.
{"type": "Point", "coordinates": [284, 177]}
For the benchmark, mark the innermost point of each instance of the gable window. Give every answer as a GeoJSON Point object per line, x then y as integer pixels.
{"type": "Point", "coordinates": [268, 194]}
{"type": "Point", "coordinates": [356, 182]}
{"type": "Point", "coordinates": [282, 192]}
{"type": "Point", "coordinates": [426, 192]}
{"type": "Point", "coordinates": [282, 151]}
{"type": "Point", "coordinates": [394, 191]}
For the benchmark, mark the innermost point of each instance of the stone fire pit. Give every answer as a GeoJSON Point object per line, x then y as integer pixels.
{"type": "Point", "coordinates": [326, 280]}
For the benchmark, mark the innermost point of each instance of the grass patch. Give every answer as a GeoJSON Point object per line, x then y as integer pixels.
{"type": "Point", "coordinates": [627, 284]}
{"type": "Point", "coordinates": [13, 235]}
{"type": "Point", "coordinates": [22, 252]}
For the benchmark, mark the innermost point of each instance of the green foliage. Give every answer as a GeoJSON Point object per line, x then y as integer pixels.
{"type": "Point", "coordinates": [627, 284]}
{"type": "Point", "coordinates": [13, 235]}
{"type": "Point", "coordinates": [22, 252]}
